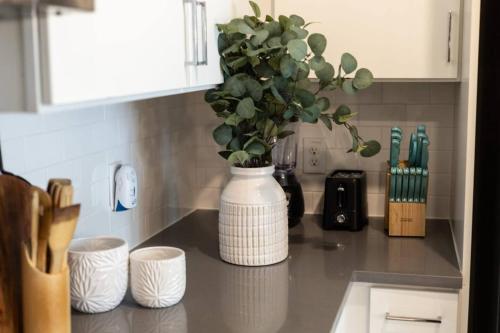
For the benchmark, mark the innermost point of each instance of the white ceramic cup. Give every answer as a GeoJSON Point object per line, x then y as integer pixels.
{"type": "Point", "coordinates": [158, 276]}
{"type": "Point", "coordinates": [99, 273]}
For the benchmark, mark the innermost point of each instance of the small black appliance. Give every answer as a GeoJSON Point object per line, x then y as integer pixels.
{"type": "Point", "coordinates": [345, 204]}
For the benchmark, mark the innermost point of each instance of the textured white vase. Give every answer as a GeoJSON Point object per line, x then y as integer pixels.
{"type": "Point", "coordinates": [99, 273]}
{"type": "Point", "coordinates": [253, 222]}
{"type": "Point", "coordinates": [158, 276]}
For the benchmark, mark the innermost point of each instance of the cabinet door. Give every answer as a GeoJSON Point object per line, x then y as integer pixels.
{"type": "Point", "coordinates": [395, 39]}
{"type": "Point", "coordinates": [123, 48]}
{"type": "Point", "coordinates": [208, 13]}
{"type": "Point", "coordinates": [400, 310]}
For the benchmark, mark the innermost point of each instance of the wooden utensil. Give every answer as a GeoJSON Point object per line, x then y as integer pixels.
{"type": "Point", "coordinates": [35, 216]}
{"type": "Point", "coordinates": [61, 232]}
{"type": "Point", "coordinates": [44, 224]}
{"type": "Point", "coordinates": [62, 181]}
{"type": "Point", "coordinates": [15, 206]}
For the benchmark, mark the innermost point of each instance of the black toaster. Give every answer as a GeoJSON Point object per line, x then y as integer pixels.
{"type": "Point", "coordinates": [345, 204]}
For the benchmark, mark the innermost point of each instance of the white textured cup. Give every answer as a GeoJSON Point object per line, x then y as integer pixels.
{"type": "Point", "coordinates": [99, 273]}
{"type": "Point", "coordinates": [158, 276]}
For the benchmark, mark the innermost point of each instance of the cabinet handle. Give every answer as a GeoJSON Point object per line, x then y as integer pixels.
{"type": "Point", "coordinates": [193, 28]}
{"type": "Point", "coordinates": [437, 320]}
{"type": "Point", "coordinates": [204, 40]}
{"type": "Point", "coordinates": [450, 17]}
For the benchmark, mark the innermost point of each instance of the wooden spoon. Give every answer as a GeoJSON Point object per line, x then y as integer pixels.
{"type": "Point", "coordinates": [43, 228]}
{"type": "Point", "coordinates": [61, 232]}
{"type": "Point", "coordinates": [35, 217]}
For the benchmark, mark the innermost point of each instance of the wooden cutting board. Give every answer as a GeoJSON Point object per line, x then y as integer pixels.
{"type": "Point", "coordinates": [15, 213]}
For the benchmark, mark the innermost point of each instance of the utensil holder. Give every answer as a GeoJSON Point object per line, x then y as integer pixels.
{"type": "Point", "coordinates": [406, 219]}
{"type": "Point", "coordinates": [46, 301]}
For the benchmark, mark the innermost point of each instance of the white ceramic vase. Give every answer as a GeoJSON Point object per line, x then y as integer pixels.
{"type": "Point", "coordinates": [253, 223]}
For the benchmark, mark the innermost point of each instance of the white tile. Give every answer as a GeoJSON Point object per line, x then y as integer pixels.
{"type": "Point", "coordinates": [441, 138]}
{"type": "Point", "coordinates": [439, 184]}
{"type": "Point", "coordinates": [375, 182]}
{"type": "Point", "coordinates": [371, 95]}
{"type": "Point", "coordinates": [406, 93]}
{"type": "Point", "coordinates": [64, 119]}
{"type": "Point", "coordinates": [340, 159]}
{"type": "Point", "coordinates": [37, 178]}
{"type": "Point", "coordinates": [438, 207]}
{"type": "Point", "coordinates": [68, 169]}
{"type": "Point", "coordinates": [376, 204]}
{"type": "Point", "coordinates": [96, 224]}
{"type": "Point", "coordinates": [13, 155]}
{"type": "Point", "coordinates": [17, 125]}
{"type": "Point", "coordinates": [382, 115]}
{"type": "Point", "coordinates": [443, 93]}
{"type": "Point", "coordinates": [440, 161]}
{"type": "Point", "coordinates": [207, 198]}
{"type": "Point", "coordinates": [44, 150]}
{"type": "Point", "coordinates": [312, 183]}
{"type": "Point", "coordinates": [375, 163]}
{"type": "Point", "coordinates": [430, 115]}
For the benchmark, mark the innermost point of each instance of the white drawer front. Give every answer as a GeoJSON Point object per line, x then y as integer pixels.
{"type": "Point", "coordinates": [388, 308]}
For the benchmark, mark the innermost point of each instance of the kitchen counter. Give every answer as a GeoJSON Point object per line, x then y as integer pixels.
{"type": "Point", "coordinates": [302, 294]}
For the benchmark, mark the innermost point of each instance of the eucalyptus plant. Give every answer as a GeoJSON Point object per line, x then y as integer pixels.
{"type": "Point", "coordinates": [266, 66]}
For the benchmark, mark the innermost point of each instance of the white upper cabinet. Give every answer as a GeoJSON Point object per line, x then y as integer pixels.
{"type": "Point", "coordinates": [123, 48]}
{"type": "Point", "coordinates": [395, 39]}
{"type": "Point", "coordinates": [206, 69]}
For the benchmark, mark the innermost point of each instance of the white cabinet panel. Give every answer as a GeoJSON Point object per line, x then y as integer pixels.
{"type": "Point", "coordinates": [209, 13]}
{"type": "Point", "coordinates": [396, 39]}
{"type": "Point", "coordinates": [123, 48]}
{"type": "Point", "coordinates": [412, 304]}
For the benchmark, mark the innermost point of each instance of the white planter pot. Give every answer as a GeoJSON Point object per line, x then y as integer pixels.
{"type": "Point", "coordinates": [253, 222]}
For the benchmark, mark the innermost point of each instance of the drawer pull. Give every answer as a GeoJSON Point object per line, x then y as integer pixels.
{"type": "Point", "coordinates": [437, 320]}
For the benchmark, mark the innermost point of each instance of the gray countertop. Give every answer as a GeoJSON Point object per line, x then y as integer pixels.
{"type": "Point", "coordinates": [301, 294]}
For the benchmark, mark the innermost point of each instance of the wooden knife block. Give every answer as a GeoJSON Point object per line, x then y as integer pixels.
{"type": "Point", "coordinates": [403, 218]}
{"type": "Point", "coordinates": [46, 299]}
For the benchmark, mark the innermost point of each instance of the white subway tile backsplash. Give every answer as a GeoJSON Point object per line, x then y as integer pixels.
{"type": "Point", "coordinates": [43, 150]}
{"type": "Point", "coordinates": [382, 115]}
{"type": "Point", "coordinates": [430, 115]}
{"type": "Point", "coordinates": [406, 93]}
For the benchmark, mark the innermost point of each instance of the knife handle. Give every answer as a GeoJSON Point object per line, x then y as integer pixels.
{"type": "Point", "coordinates": [411, 184]}
{"type": "Point", "coordinates": [425, 180]}
{"type": "Point", "coordinates": [395, 147]}
{"type": "Point", "coordinates": [425, 153]}
{"type": "Point", "coordinates": [418, 184]}
{"type": "Point", "coordinates": [406, 180]}
{"type": "Point", "coordinates": [399, 184]}
{"type": "Point", "coordinates": [393, 180]}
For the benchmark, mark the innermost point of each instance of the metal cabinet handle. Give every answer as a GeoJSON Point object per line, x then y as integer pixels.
{"type": "Point", "coordinates": [193, 29]}
{"type": "Point", "coordinates": [450, 17]}
{"type": "Point", "coordinates": [437, 320]}
{"type": "Point", "coordinates": [204, 40]}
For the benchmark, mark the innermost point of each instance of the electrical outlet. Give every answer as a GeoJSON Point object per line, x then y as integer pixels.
{"type": "Point", "coordinates": [314, 155]}
{"type": "Point", "coordinates": [113, 167]}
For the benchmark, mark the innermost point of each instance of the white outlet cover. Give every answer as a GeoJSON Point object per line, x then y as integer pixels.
{"type": "Point", "coordinates": [314, 155]}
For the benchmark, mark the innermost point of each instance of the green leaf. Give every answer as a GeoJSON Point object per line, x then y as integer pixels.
{"type": "Point", "coordinates": [370, 149]}
{"type": "Point", "coordinates": [239, 25]}
{"type": "Point", "coordinates": [234, 145]}
{"type": "Point", "coordinates": [284, 134]}
{"type": "Point", "coordinates": [235, 85]}
{"type": "Point", "coordinates": [303, 71]}
{"type": "Point", "coordinates": [211, 95]}
{"type": "Point", "coordinates": [238, 63]}
{"type": "Point", "coordinates": [254, 89]}
{"type": "Point", "coordinates": [288, 36]}
{"type": "Point", "coordinates": [289, 113]}
{"type": "Point", "coordinates": [284, 22]}
{"type": "Point", "coordinates": [301, 33]}
{"type": "Point", "coordinates": [238, 157]}
{"type": "Point", "coordinates": [297, 20]}
{"type": "Point", "coordinates": [363, 79]}
{"type": "Point", "coordinates": [274, 42]}
{"type": "Point", "coordinates": [303, 84]}
{"type": "Point", "coordinates": [264, 70]}
{"type": "Point", "coordinates": [327, 121]}
{"type": "Point", "coordinates": [233, 120]}
{"type": "Point", "coordinates": [246, 108]}
{"type": "Point", "coordinates": [259, 38]}
{"type": "Point", "coordinates": [340, 113]}
{"type": "Point", "coordinates": [348, 88]}
{"type": "Point", "coordinates": [326, 73]}
{"type": "Point", "coordinates": [220, 105]}
{"type": "Point", "coordinates": [255, 8]}
{"type": "Point", "coordinates": [274, 29]}
{"type": "Point", "coordinates": [277, 95]}
{"type": "Point", "coordinates": [269, 18]}
{"type": "Point", "coordinates": [305, 97]}
{"type": "Point", "coordinates": [348, 63]}
{"type": "Point", "coordinates": [323, 103]}
{"type": "Point", "coordinates": [223, 134]}
{"type": "Point", "coordinates": [317, 43]}
{"type": "Point", "coordinates": [310, 114]}
{"type": "Point", "coordinates": [288, 66]}
{"type": "Point", "coordinates": [317, 63]}
{"type": "Point", "coordinates": [255, 148]}
{"type": "Point", "coordinates": [270, 129]}
{"type": "Point", "coordinates": [297, 49]}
